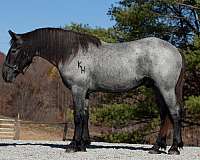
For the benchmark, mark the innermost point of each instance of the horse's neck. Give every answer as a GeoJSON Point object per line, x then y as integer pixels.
{"type": "Point", "coordinates": [47, 57]}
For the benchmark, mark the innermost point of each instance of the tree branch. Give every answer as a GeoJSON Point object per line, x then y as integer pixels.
{"type": "Point", "coordinates": [187, 5]}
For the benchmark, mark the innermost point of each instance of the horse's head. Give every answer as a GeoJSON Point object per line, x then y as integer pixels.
{"type": "Point", "coordinates": [16, 60]}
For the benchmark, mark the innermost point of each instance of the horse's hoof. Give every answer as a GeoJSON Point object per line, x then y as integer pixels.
{"type": "Point", "coordinates": [70, 149]}
{"type": "Point", "coordinates": [74, 147]}
{"type": "Point", "coordinates": [87, 142]}
{"type": "Point", "coordinates": [154, 151]}
{"type": "Point", "coordinates": [180, 145]}
{"type": "Point", "coordinates": [174, 152]}
{"type": "Point", "coordinates": [81, 149]}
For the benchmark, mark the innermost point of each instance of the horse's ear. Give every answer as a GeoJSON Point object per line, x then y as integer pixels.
{"type": "Point", "coordinates": [15, 36]}
{"type": "Point", "coordinates": [12, 34]}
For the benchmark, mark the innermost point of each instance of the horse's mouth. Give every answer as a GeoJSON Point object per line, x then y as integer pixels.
{"type": "Point", "coordinates": [9, 80]}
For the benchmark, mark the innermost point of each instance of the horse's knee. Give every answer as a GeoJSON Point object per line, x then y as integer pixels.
{"type": "Point", "coordinates": [78, 118]}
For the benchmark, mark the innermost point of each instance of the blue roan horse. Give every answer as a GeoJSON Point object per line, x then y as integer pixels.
{"type": "Point", "coordinates": [87, 65]}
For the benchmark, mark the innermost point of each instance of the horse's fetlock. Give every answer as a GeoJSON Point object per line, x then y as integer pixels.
{"type": "Point", "coordinates": [180, 144]}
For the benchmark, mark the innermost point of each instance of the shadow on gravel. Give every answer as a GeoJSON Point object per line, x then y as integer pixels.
{"type": "Point", "coordinates": [63, 146]}
{"type": "Point", "coordinates": [122, 147]}
{"type": "Point", "coordinates": [117, 147]}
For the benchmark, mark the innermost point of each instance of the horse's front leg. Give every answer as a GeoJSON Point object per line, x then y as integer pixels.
{"type": "Point", "coordinates": [80, 117]}
{"type": "Point", "coordinates": [86, 135]}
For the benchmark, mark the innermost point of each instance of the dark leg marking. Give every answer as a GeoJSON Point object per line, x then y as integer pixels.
{"type": "Point", "coordinates": [177, 138]}
{"type": "Point", "coordinates": [86, 136]}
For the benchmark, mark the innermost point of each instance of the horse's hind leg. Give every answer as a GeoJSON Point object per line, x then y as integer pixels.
{"type": "Point", "coordinates": [165, 124]}
{"type": "Point", "coordinates": [175, 115]}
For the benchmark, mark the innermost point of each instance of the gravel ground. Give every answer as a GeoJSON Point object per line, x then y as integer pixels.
{"type": "Point", "coordinates": [50, 150]}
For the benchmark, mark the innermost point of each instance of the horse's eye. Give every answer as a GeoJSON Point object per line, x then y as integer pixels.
{"type": "Point", "coordinates": [15, 67]}
{"type": "Point", "coordinates": [14, 50]}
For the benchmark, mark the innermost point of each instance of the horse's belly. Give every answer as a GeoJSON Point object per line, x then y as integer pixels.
{"type": "Point", "coordinates": [116, 76]}
{"type": "Point", "coordinates": [112, 85]}
{"type": "Point", "coordinates": [117, 84]}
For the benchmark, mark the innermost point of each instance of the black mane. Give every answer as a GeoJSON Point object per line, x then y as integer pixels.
{"type": "Point", "coordinates": [56, 43]}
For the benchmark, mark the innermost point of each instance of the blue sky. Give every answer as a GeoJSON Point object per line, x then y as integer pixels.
{"type": "Point", "coordinates": [25, 15]}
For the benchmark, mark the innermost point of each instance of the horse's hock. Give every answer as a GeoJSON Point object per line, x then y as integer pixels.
{"type": "Point", "coordinates": [9, 128]}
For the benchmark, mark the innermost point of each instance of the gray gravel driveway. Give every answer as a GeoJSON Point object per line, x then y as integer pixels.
{"type": "Point", "coordinates": [55, 150]}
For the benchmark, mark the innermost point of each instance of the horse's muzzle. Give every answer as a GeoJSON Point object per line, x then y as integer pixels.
{"type": "Point", "coordinates": [8, 74]}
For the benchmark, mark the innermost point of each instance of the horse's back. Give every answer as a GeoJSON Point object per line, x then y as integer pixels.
{"type": "Point", "coordinates": [126, 64]}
